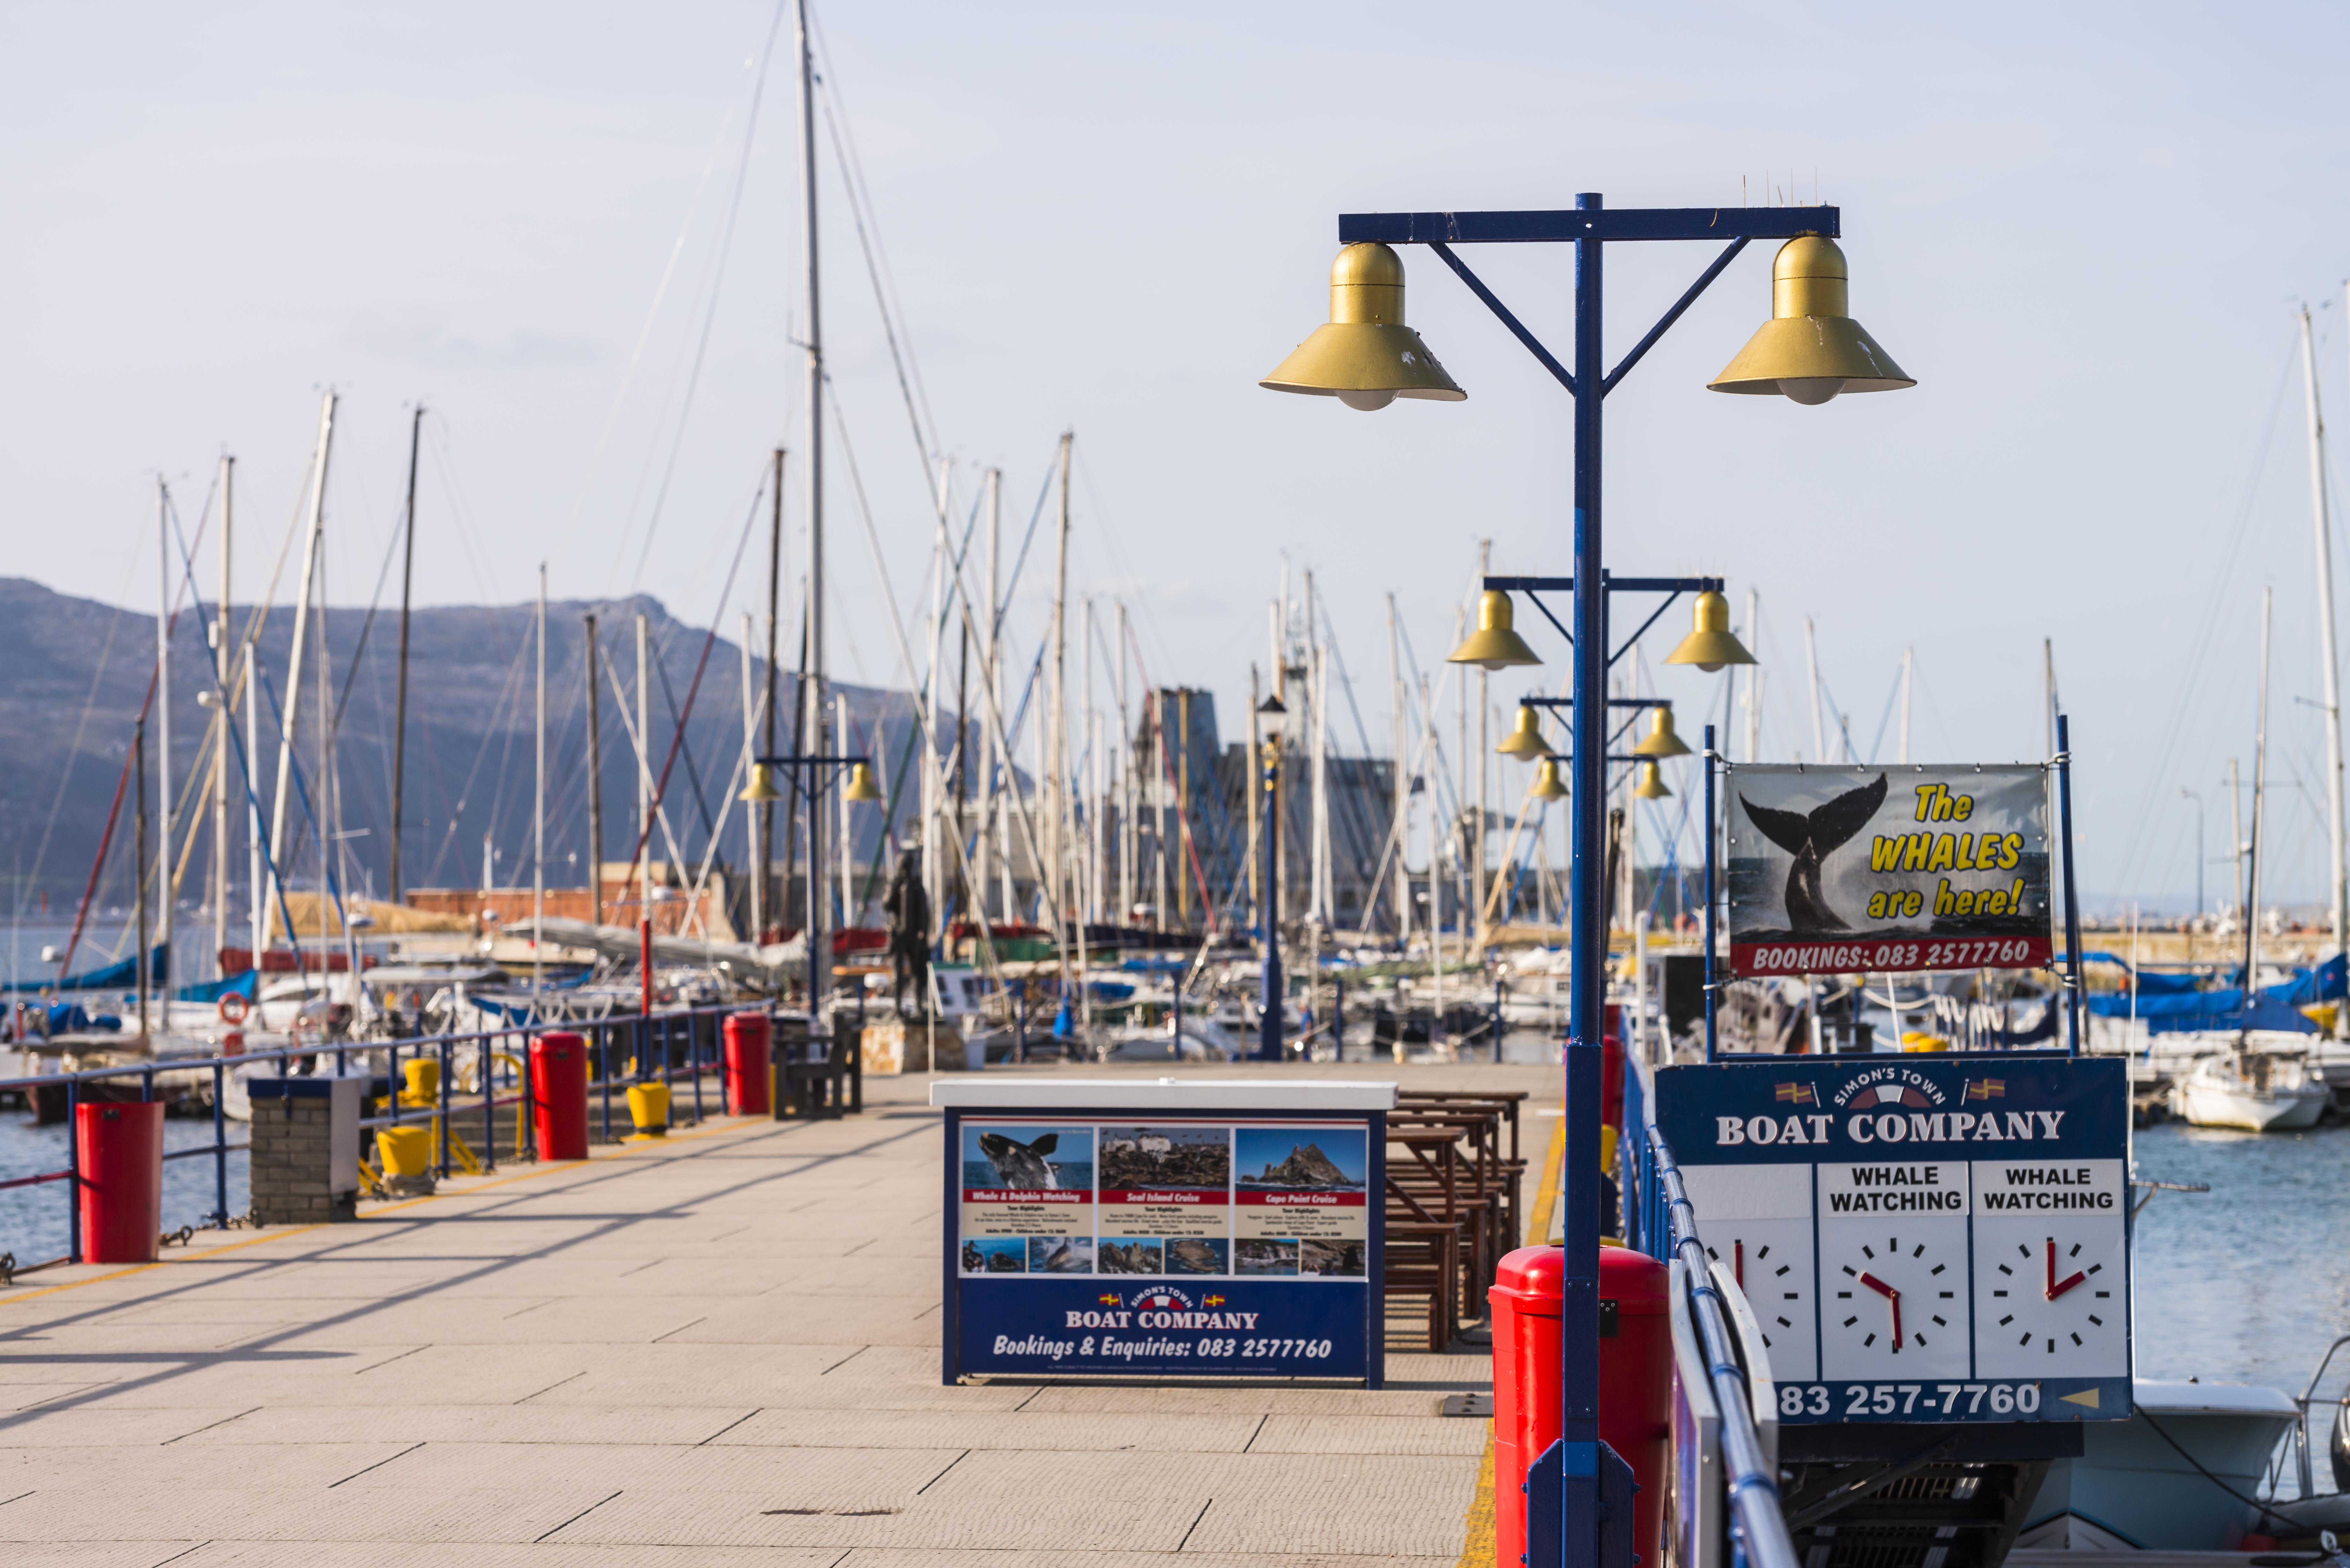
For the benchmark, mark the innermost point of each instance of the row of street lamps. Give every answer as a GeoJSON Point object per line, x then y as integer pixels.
{"type": "Point", "coordinates": [1810, 351]}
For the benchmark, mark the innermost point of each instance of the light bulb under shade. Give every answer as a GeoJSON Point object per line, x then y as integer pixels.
{"type": "Point", "coordinates": [1367, 402]}
{"type": "Point", "coordinates": [1810, 391]}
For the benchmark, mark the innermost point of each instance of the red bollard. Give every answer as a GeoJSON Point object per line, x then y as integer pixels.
{"type": "Point", "coordinates": [750, 1052]}
{"type": "Point", "coordinates": [1635, 1382]}
{"type": "Point", "coordinates": [559, 1095]}
{"type": "Point", "coordinates": [119, 1152]}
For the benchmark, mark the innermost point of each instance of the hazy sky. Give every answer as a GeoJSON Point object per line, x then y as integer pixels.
{"type": "Point", "coordinates": [2086, 231]}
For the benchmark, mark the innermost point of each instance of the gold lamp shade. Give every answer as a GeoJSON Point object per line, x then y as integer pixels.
{"type": "Point", "coordinates": [762, 787]}
{"type": "Point", "coordinates": [1651, 785]}
{"type": "Point", "coordinates": [1811, 348]}
{"type": "Point", "coordinates": [1495, 644]}
{"type": "Point", "coordinates": [1525, 738]}
{"type": "Point", "coordinates": [1709, 645]}
{"type": "Point", "coordinates": [1660, 741]}
{"type": "Point", "coordinates": [1546, 785]}
{"type": "Point", "coordinates": [1365, 356]}
{"type": "Point", "coordinates": [861, 786]}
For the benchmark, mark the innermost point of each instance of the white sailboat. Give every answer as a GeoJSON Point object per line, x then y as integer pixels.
{"type": "Point", "coordinates": [2267, 1083]}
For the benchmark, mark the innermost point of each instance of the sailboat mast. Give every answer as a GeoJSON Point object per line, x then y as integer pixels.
{"type": "Point", "coordinates": [221, 677]}
{"type": "Point", "coordinates": [1753, 687]}
{"type": "Point", "coordinates": [763, 837]}
{"type": "Point", "coordinates": [1812, 664]}
{"type": "Point", "coordinates": [751, 858]}
{"type": "Point", "coordinates": [1485, 739]}
{"type": "Point", "coordinates": [538, 816]}
{"type": "Point", "coordinates": [1398, 726]}
{"type": "Point", "coordinates": [1125, 823]}
{"type": "Point", "coordinates": [812, 694]}
{"type": "Point", "coordinates": [163, 739]}
{"type": "Point", "coordinates": [596, 787]}
{"type": "Point", "coordinates": [2253, 854]}
{"type": "Point", "coordinates": [254, 867]}
{"type": "Point", "coordinates": [988, 843]}
{"type": "Point", "coordinates": [138, 866]}
{"type": "Point", "coordinates": [644, 872]}
{"type": "Point", "coordinates": [1088, 816]}
{"type": "Point", "coordinates": [400, 702]}
{"type": "Point", "coordinates": [1908, 659]}
{"type": "Point", "coordinates": [2048, 689]}
{"type": "Point", "coordinates": [2338, 870]}
{"type": "Point", "coordinates": [1056, 744]}
{"type": "Point", "coordinates": [294, 680]}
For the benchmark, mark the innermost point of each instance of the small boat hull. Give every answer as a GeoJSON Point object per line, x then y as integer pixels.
{"type": "Point", "coordinates": [2255, 1093]}
{"type": "Point", "coordinates": [2131, 1490]}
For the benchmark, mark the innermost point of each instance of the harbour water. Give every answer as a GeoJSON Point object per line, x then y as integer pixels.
{"type": "Point", "coordinates": [2249, 1281]}
{"type": "Point", "coordinates": [33, 1219]}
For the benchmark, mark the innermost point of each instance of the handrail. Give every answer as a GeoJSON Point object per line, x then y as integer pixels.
{"type": "Point", "coordinates": [1661, 1220]}
{"type": "Point", "coordinates": [652, 1058]}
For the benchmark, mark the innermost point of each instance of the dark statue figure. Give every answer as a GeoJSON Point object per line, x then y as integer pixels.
{"type": "Point", "coordinates": [909, 933]}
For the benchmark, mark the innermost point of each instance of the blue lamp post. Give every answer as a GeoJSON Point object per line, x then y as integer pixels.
{"type": "Point", "coordinates": [1811, 350]}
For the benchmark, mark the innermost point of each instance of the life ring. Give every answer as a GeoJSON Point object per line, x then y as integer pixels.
{"type": "Point", "coordinates": [233, 1007]}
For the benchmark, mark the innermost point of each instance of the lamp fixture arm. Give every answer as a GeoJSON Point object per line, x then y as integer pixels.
{"type": "Point", "coordinates": [1645, 625]}
{"type": "Point", "coordinates": [1665, 325]}
{"type": "Point", "coordinates": [1476, 287]}
{"type": "Point", "coordinates": [1556, 622]}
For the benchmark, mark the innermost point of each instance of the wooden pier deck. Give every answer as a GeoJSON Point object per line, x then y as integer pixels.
{"type": "Point", "coordinates": [718, 1350]}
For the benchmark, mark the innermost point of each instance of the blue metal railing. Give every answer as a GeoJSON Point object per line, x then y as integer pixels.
{"type": "Point", "coordinates": [658, 1047]}
{"type": "Point", "coordinates": [1659, 1220]}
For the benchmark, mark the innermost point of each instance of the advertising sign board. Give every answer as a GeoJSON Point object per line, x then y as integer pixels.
{"type": "Point", "coordinates": [1922, 1238]}
{"type": "Point", "coordinates": [1163, 1228]}
{"type": "Point", "coordinates": [1904, 868]}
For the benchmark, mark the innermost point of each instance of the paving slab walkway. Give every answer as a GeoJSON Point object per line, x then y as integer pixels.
{"type": "Point", "coordinates": [718, 1350]}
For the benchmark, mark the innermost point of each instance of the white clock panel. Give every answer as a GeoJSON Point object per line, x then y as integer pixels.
{"type": "Point", "coordinates": [2051, 1292]}
{"type": "Point", "coordinates": [1756, 1221]}
{"type": "Point", "coordinates": [1893, 1270]}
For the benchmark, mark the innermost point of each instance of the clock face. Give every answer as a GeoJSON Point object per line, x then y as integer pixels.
{"type": "Point", "coordinates": [2050, 1293]}
{"type": "Point", "coordinates": [1893, 1271]}
{"type": "Point", "coordinates": [1771, 1262]}
{"type": "Point", "coordinates": [1756, 1222]}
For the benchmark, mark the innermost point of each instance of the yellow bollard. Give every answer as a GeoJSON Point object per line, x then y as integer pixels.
{"type": "Point", "coordinates": [1607, 1137]}
{"type": "Point", "coordinates": [406, 1156]}
{"type": "Point", "coordinates": [649, 1108]}
{"type": "Point", "coordinates": [1918, 1040]}
{"type": "Point", "coordinates": [423, 1076]}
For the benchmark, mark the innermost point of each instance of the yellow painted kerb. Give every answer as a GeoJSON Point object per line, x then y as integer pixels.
{"type": "Point", "coordinates": [1477, 1539]}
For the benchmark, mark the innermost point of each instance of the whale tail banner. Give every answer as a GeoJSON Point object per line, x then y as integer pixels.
{"type": "Point", "coordinates": [1839, 870]}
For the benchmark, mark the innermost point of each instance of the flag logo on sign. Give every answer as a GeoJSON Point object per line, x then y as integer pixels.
{"type": "Point", "coordinates": [1798, 1094]}
{"type": "Point", "coordinates": [1986, 1088]}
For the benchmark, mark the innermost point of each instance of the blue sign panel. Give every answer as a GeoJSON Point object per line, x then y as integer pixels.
{"type": "Point", "coordinates": [1162, 1243]}
{"type": "Point", "coordinates": [1922, 1238]}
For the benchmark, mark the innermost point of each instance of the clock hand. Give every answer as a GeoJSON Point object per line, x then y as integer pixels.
{"type": "Point", "coordinates": [1892, 1297]}
{"type": "Point", "coordinates": [2056, 1289]}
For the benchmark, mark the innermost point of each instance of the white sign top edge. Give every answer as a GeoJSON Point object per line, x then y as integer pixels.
{"type": "Point", "coordinates": [1300, 1097]}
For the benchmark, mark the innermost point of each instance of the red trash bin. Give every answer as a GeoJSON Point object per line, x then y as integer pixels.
{"type": "Point", "coordinates": [558, 1094]}
{"type": "Point", "coordinates": [1635, 1383]}
{"type": "Point", "coordinates": [118, 1151]}
{"type": "Point", "coordinates": [750, 1052]}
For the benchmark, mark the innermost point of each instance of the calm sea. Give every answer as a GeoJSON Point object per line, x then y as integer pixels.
{"type": "Point", "coordinates": [2249, 1281]}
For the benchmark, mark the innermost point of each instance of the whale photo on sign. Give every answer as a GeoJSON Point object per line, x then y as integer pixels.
{"type": "Point", "coordinates": [1897, 868]}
